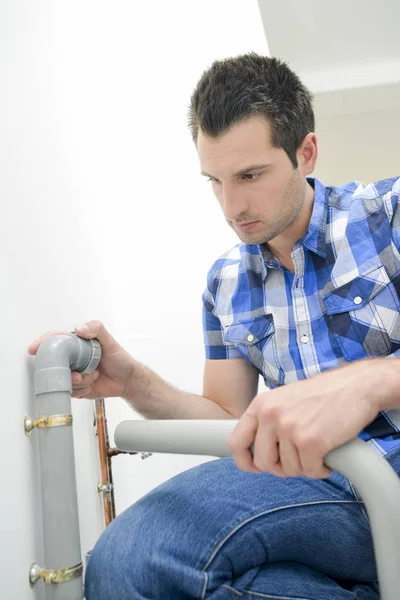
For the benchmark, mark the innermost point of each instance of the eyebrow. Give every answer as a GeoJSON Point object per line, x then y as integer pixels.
{"type": "Point", "coordinates": [242, 171]}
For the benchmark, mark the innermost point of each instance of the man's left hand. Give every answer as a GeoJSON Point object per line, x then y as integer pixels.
{"type": "Point", "coordinates": [293, 427]}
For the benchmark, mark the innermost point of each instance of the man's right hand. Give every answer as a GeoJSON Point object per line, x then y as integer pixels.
{"type": "Point", "coordinates": [115, 369]}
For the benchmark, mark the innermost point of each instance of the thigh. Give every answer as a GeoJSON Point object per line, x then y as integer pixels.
{"type": "Point", "coordinates": [246, 520]}
{"type": "Point", "coordinates": [213, 524]}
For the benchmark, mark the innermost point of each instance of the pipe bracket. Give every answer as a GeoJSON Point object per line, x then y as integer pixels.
{"type": "Point", "coordinates": [144, 455]}
{"type": "Point", "coordinates": [106, 488]}
{"type": "Point", "coordinates": [46, 421]}
{"type": "Point", "coordinates": [54, 576]}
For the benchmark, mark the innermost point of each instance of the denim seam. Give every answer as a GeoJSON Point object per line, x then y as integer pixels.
{"type": "Point", "coordinates": [252, 518]}
{"type": "Point", "coordinates": [360, 502]}
{"type": "Point", "coordinates": [205, 584]}
{"type": "Point", "coordinates": [259, 595]}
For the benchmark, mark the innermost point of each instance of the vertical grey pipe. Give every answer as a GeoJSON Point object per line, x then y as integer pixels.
{"type": "Point", "coordinates": [379, 486]}
{"type": "Point", "coordinates": [57, 356]}
{"type": "Point", "coordinates": [376, 481]}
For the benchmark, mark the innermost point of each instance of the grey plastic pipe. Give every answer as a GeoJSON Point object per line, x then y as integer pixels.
{"type": "Point", "coordinates": [371, 474]}
{"type": "Point", "coordinates": [56, 357]}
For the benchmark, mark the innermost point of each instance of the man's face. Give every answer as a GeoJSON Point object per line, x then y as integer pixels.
{"type": "Point", "coordinates": [259, 191]}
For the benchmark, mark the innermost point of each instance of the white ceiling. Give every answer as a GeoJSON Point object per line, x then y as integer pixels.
{"type": "Point", "coordinates": [346, 46]}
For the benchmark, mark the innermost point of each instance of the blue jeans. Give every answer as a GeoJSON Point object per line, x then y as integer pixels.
{"type": "Point", "coordinates": [220, 533]}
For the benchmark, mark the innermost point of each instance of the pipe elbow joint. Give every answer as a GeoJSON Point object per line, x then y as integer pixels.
{"type": "Point", "coordinates": [60, 354]}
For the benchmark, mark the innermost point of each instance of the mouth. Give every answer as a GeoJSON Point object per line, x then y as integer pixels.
{"type": "Point", "coordinates": [247, 226]}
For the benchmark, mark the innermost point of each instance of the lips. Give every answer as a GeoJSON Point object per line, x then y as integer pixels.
{"type": "Point", "coordinates": [247, 226]}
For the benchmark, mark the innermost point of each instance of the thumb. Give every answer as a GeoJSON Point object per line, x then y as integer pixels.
{"type": "Point", "coordinates": [96, 329]}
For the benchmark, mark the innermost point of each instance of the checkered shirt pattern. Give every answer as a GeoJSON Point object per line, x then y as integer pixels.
{"type": "Point", "coordinates": [341, 304]}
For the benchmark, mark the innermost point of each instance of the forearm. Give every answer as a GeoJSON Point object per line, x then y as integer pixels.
{"type": "Point", "coordinates": [154, 398]}
{"type": "Point", "coordinates": [378, 380]}
{"type": "Point", "coordinates": [388, 372]}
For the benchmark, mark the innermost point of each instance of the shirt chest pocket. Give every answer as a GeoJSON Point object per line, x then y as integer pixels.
{"type": "Point", "coordinates": [363, 315]}
{"type": "Point", "coordinates": [255, 340]}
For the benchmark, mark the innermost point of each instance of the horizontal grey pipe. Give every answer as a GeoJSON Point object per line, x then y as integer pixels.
{"type": "Point", "coordinates": [373, 477]}
{"type": "Point", "coordinates": [207, 437]}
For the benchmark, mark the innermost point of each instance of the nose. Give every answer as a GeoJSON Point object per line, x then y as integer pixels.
{"type": "Point", "coordinates": [233, 202]}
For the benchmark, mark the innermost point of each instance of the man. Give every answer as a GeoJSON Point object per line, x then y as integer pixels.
{"type": "Point", "coordinates": [312, 285]}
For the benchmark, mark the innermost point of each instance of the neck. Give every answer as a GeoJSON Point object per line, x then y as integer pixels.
{"type": "Point", "coordinates": [281, 246]}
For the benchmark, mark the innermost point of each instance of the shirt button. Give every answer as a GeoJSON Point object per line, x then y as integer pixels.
{"type": "Point", "coordinates": [304, 339]}
{"type": "Point", "coordinates": [357, 300]}
{"type": "Point", "coordinates": [250, 338]}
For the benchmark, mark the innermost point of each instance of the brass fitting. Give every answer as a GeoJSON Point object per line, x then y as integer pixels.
{"type": "Point", "coordinates": [53, 576]}
{"type": "Point", "coordinates": [46, 421]}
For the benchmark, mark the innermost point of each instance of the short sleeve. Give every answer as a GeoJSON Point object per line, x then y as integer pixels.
{"type": "Point", "coordinates": [213, 331]}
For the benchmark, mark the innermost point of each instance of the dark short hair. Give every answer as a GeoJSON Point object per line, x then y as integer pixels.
{"type": "Point", "coordinates": [234, 89]}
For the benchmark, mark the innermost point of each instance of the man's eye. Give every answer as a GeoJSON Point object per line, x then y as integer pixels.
{"type": "Point", "coordinates": [251, 176]}
{"type": "Point", "coordinates": [212, 179]}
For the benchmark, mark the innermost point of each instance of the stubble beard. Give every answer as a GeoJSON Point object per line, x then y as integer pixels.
{"type": "Point", "coordinates": [287, 219]}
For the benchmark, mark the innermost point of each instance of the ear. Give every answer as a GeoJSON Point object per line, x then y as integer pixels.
{"type": "Point", "coordinates": [307, 153]}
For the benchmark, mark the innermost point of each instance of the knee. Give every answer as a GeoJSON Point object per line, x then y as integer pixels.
{"type": "Point", "coordinates": [113, 562]}
{"type": "Point", "coordinates": [121, 563]}
{"type": "Point", "coordinates": [138, 553]}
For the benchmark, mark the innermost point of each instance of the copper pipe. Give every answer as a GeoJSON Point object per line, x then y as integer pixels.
{"type": "Point", "coordinates": [109, 465]}
{"type": "Point", "coordinates": [105, 465]}
{"type": "Point", "coordinates": [115, 451]}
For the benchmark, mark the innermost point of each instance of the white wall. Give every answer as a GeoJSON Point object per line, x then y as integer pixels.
{"type": "Point", "coordinates": [362, 146]}
{"type": "Point", "coordinates": [170, 228]}
{"type": "Point", "coordinates": [104, 215]}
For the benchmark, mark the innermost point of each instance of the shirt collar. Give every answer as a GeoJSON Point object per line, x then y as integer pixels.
{"type": "Point", "coordinates": [314, 238]}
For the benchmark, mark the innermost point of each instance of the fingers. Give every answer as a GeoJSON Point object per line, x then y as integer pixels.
{"type": "Point", "coordinates": [266, 456]}
{"type": "Point", "coordinates": [82, 393]}
{"type": "Point", "coordinates": [288, 451]}
{"type": "Point", "coordinates": [315, 468]}
{"type": "Point", "coordinates": [312, 459]}
{"type": "Point", "coordinates": [240, 441]}
{"type": "Point", "coordinates": [96, 329]}
{"type": "Point", "coordinates": [279, 456]}
{"type": "Point", "coordinates": [289, 458]}
{"type": "Point", "coordinates": [82, 385]}
{"type": "Point", "coordinates": [80, 330]}
{"type": "Point", "coordinates": [89, 330]}
{"type": "Point", "coordinates": [79, 379]}
{"type": "Point", "coordinates": [33, 348]}
{"type": "Point", "coordinates": [264, 441]}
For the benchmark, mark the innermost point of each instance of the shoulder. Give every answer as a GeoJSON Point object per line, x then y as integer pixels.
{"type": "Point", "coordinates": [366, 198]}
{"type": "Point", "coordinates": [377, 189]}
{"type": "Point", "coordinates": [380, 196]}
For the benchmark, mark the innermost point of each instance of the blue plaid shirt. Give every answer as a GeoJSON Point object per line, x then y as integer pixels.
{"type": "Point", "coordinates": [341, 304]}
